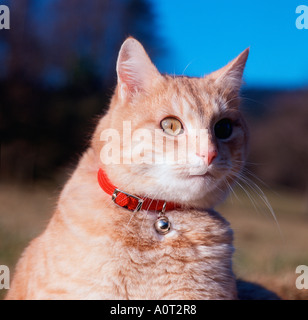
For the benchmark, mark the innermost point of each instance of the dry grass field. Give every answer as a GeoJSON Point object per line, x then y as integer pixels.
{"type": "Point", "coordinates": [263, 255]}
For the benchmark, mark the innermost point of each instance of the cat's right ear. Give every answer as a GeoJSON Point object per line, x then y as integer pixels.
{"type": "Point", "coordinates": [135, 70]}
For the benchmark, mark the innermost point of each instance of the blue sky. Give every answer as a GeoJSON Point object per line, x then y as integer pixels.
{"type": "Point", "coordinates": [203, 35]}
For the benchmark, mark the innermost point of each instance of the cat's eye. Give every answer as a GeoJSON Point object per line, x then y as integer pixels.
{"type": "Point", "coordinates": [223, 129]}
{"type": "Point", "coordinates": [172, 126]}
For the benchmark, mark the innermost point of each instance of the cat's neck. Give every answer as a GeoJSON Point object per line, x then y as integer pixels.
{"type": "Point", "coordinates": [83, 201]}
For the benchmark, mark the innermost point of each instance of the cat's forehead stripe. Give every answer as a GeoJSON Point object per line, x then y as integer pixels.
{"type": "Point", "coordinates": [191, 97]}
{"type": "Point", "coordinates": [182, 107]}
{"type": "Point", "coordinates": [194, 99]}
{"type": "Point", "coordinates": [194, 93]}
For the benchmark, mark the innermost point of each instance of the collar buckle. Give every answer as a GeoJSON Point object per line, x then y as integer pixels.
{"type": "Point", "coordinates": [117, 191]}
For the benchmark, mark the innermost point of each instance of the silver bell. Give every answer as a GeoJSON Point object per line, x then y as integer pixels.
{"type": "Point", "coordinates": [162, 225]}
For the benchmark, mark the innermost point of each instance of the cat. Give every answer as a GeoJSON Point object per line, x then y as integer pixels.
{"type": "Point", "coordinates": [94, 247]}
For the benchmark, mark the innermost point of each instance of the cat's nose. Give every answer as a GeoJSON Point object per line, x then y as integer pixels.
{"type": "Point", "coordinates": [210, 155]}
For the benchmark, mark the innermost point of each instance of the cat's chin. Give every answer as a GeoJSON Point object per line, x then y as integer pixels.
{"type": "Point", "coordinates": [205, 190]}
{"type": "Point", "coordinates": [198, 191]}
{"type": "Point", "coordinates": [206, 182]}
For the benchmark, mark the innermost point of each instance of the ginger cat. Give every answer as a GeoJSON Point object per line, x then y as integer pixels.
{"type": "Point", "coordinates": [96, 248]}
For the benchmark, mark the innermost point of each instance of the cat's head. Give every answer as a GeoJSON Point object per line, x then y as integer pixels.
{"type": "Point", "coordinates": [160, 113]}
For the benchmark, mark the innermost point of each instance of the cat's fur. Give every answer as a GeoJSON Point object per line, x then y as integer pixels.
{"type": "Point", "coordinates": [93, 249]}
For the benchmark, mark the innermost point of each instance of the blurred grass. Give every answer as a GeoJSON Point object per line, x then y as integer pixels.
{"type": "Point", "coordinates": [263, 255]}
{"type": "Point", "coordinates": [265, 252]}
{"type": "Point", "coordinates": [24, 212]}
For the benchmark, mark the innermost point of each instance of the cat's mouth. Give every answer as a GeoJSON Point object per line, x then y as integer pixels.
{"type": "Point", "coordinates": [202, 171]}
{"type": "Point", "coordinates": [207, 174]}
{"type": "Point", "coordinates": [211, 175]}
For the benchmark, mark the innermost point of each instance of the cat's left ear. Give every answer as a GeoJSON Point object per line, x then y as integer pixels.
{"type": "Point", "coordinates": [231, 75]}
{"type": "Point", "coordinates": [135, 70]}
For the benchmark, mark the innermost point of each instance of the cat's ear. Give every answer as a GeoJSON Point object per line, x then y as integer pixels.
{"type": "Point", "coordinates": [135, 70]}
{"type": "Point", "coordinates": [231, 75]}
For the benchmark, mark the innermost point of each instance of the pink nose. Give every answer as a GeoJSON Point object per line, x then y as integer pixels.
{"type": "Point", "coordinates": [211, 156]}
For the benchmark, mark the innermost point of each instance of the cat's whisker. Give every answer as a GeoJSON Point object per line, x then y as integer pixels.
{"type": "Point", "coordinates": [252, 100]}
{"type": "Point", "coordinates": [247, 171]}
{"type": "Point", "coordinates": [221, 190]}
{"type": "Point", "coordinates": [228, 187]}
{"type": "Point", "coordinates": [187, 67]}
{"type": "Point", "coordinates": [230, 100]}
{"type": "Point", "coordinates": [133, 213]}
{"type": "Point", "coordinates": [259, 192]}
{"type": "Point", "coordinates": [247, 162]}
{"type": "Point", "coordinates": [147, 210]}
{"type": "Point", "coordinates": [254, 192]}
{"type": "Point", "coordinates": [263, 197]}
{"type": "Point", "coordinates": [252, 200]}
{"type": "Point", "coordinates": [231, 189]}
{"type": "Point", "coordinates": [144, 218]}
{"type": "Point", "coordinates": [130, 219]}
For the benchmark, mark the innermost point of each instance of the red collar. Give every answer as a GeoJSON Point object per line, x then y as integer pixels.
{"type": "Point", "coordinates": [129, 201]}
